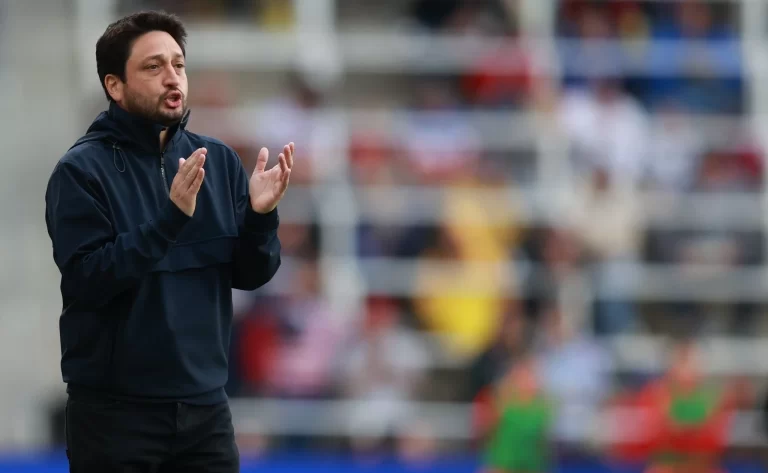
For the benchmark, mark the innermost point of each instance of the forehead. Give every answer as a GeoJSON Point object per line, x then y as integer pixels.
{"type": "Point", "coordinates": [152, 44]}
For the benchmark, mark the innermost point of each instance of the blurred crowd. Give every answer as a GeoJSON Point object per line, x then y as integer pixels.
{"type": "Point", "coordinates": [640, 112]}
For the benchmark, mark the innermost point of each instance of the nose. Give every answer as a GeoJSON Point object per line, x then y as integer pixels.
{"type": "Point", "coordinates": [171, 76]}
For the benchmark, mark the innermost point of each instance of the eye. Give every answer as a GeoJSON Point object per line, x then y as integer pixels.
{"type": "Point", "coordinates": [152, 67]}
{"type": "Point", "coordinates": [180, 66]}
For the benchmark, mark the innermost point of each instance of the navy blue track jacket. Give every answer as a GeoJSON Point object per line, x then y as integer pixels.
{"type": "Point", "coordinates": [146, 290]}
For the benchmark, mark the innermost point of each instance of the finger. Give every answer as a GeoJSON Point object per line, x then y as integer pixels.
{"type": "Point", "coordinates": [179, 177]}
{"type": "Point", "coordinates": [288, 152]}
{"type": "Point", "coordinates": [195, 187]}
{"type": "Point", "coordinates": [283, 163]}
{"type": "Point", "coordinates": [283, 183]}
{"type": "Point", "coordinates": [261, 162]}
{"type": "Point", "coordinates": [293, 147]}
{"type": "Point", "coordinates": [189, 165]}
{"type": "Point", "coordinates": [196, 155]}
{"type": "Point", "coordinates": [193, 170]}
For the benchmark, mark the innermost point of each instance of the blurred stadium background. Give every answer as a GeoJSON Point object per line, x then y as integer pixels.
{"type": "Point", "coordinates": [476, 180]}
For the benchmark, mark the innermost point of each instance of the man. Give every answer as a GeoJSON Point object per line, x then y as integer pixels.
{"type": "Point", "coordinates": [518, 417]}
{"type": "Point", "coordinates": [152, 226]}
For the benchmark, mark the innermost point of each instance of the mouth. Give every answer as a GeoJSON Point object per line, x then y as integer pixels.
{"type": "Point", "coordinates": [173, 100]}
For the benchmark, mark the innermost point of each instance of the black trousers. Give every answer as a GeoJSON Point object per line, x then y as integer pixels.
{"type": "Point", "coordinates": [125, 437]}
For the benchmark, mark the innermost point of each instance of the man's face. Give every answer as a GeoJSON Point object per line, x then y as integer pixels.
{"type": "Point", "coordinates": [156, 80]}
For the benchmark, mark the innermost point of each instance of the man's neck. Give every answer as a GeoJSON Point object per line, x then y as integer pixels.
{"type": "Point", "coordinates": [163, 138]}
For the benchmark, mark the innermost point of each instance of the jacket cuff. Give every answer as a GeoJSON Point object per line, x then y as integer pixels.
{"type": "Point", "coordinates": [260, 223]}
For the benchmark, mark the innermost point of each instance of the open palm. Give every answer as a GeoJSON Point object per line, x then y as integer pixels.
{"type": "Point", "coordinates": [266, 188]}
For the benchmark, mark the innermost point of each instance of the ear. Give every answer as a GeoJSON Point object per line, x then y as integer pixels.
{"type": "Point", "coordinates": [114, 87]}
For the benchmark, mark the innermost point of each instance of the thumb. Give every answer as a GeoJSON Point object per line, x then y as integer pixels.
{"type": "Point", "coordinates": [261, 162]}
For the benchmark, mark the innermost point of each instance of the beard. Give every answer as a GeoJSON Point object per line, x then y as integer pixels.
{"type": "Point", "coordinates": [153, 109]}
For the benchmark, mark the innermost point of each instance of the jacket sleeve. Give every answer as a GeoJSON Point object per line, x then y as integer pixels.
{"type": "Point", "coordinates": [96, 263]}
{"type": "Point", "coordinates": [257, 251]}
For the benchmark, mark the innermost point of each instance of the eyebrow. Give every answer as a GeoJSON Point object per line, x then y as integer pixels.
{"type": "Point", "coordinates": [160, 57]}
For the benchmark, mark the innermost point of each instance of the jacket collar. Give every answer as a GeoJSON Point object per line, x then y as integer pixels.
{"type": "Point", "coordinates": [142, 132]}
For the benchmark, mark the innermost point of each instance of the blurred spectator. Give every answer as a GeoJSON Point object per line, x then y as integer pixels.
{"type": "Point", "coordinates": [680, 52]}
{"type": "Point", "coordinates": [674, 150]}
{"type": "Point", "coordinates": [485, 17]}
{"type": "Point", "coordinates": [735, 169]}
{"type": "Point", "coordinates": [633, 22]}
{"type": "Point", "coordinates": [482, 232]}
{"type": "Point", "coordinates": [309, 335]}
{"type": "Point", "coordinates": [383, 367]}
{"type": "Point", "coordinates": [380, 240]}
{"type": "Point", "coordinates": [502, 77]}
{"type": "Point", "coordinates": [519, 420]}
{"type": "Point", "coordinates": [577, 373]}
{"type": "Point", "coordinates": [634, 27]}
{"type": "Point", "coordinates": [707, 60]}
{"type": "Point", "coordinates": [606, 130]}
{"type": "Point", "coordinates": [589, 50]}
{"type": "Point", "coordinates": [687, 419]}
{"type": "Point", "coordinates": [260, 319]}
{"type": "Point", "coordinates": [553, 254]}
{"type": "Point", "coordinates": [511, 343]}
{"type": "Point", "coordinates": [255, 341]}
{"type": "Point", "coordinates": [374, 166]}
{"type": "Point", "coordinates": [439, 146]}
{"type": "Point", "coordinates": [608, 221]}
{"type": "Point", "coordinates": [466, 304]}
{"type": "Point", "coordinates": [372, 156]}
{"type": "Point", "coordinates": [717, 248]}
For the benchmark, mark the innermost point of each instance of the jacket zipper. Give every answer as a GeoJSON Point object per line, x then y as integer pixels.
{"type": "Point", "coordinates": [162, 174]}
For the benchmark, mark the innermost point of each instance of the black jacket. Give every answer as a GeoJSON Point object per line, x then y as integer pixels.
{"type": "Point", "coordinates": [146, 291]}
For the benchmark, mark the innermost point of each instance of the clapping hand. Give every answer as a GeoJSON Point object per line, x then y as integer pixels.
{"type": "Point", "coordinates": [267, 187]}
